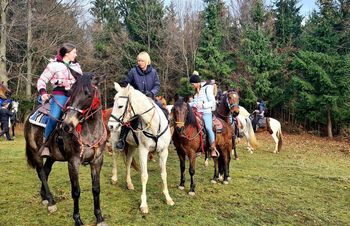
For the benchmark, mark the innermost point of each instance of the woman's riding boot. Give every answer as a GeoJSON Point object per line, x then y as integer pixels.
{"type": "Point", "coordinates": [214, 152]}
{"type": "Point", "coordinates": [122, 138]}
{"type": "Point", "coordinates": [44, 150]}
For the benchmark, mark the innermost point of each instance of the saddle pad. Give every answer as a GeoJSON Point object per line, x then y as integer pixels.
{"type": "Point", "coordinates": [39, 118]}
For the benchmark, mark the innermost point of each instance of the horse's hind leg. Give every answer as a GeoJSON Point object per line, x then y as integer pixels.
{"type": "Point", "coordinates": [275, 138]}
{"type": "Point", "coordinates": [43, 174]}
{"type": "Point", "coordinates": [73, 166]}
{"type": "Point", "coordinates": [129, 157]}
{"type": "Point", "coordinates": [163, 156]}
{"type": "Point", "coordinates": [143, 156]}
{"type": "Point", "coordinates": [95, 177]}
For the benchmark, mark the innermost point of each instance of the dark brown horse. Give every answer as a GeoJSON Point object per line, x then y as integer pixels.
{"type": "Point", "coordinates": [79, 139]}
{"type": "Point", "coordinates": [227, 109]}
{"type": "Point", "coordinates": [188, 142]}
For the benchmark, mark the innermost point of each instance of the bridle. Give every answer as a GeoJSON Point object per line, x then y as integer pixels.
{"type": "Point", "coordinates": [87, 113]}
{"type": "Point", "coordinates": [129, 109]}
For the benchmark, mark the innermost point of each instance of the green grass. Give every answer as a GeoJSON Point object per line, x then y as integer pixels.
{"type": "Point", "coordinates": [308, 183]}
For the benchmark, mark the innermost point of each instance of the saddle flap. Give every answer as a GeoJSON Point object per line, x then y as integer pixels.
{"type": "Point", "coordinates": [39, 118]}
{"type": "Point", "coordinates": [45, 109]}
{"type": "Point", "coordinates": [217, 124]}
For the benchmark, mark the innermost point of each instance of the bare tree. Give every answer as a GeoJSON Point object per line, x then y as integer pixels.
{"type": "Point", "coordinates": [3, 41]}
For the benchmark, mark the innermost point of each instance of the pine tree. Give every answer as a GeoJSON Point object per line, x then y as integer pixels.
{"type": "Point", "coordinates": [212, 61]}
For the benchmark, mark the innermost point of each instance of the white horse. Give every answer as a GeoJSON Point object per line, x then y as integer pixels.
{"type": "Point", "coordinates": [273, 126]}
{"type": "Point", "coordinates": [245, 127]}
{"type": "Point", "coordinates": [152, 133]}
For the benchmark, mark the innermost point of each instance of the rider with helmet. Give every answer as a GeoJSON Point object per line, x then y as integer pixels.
{"type": "Point", "coordinates": [260, 111]}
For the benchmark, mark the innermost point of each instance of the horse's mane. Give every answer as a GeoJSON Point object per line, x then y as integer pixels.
{"type": "Point", "coordinates": [191, 118]}
{"type": "Point", "coordinates": [83, 82]}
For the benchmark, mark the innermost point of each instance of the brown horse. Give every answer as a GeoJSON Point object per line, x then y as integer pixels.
{"type": "Point", "coordinates": [188, 142]}
{"type": "Point", "coordinates": [79, 139]}
{"type": "Point", "coordinates": [227, 109]}
{"type": "Point", "coordinates": [4, 91]}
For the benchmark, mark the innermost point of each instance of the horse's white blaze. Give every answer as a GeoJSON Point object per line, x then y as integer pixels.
{"type": "Point", "coordinates": [127, 103]}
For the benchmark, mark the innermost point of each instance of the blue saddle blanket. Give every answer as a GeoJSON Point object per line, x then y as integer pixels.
{"type": "Point", "coordinates": [40, 117]}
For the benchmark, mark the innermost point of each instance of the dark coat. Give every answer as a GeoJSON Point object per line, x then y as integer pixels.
{"type": "Point", "coordinates": [144, 81]}
{"type": "Point", "coordinates": [5, 114]}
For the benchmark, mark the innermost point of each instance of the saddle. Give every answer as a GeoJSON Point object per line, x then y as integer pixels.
{"type": "Point", "coordinates": [40, 116]}
{"type": "Point", "coordinates": [217, 123]}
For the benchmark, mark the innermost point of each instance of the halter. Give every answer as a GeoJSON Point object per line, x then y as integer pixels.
{"type": "Point", "coordinates": [86, 114]}
{"type": "Point", "coordinates": [129, 108]}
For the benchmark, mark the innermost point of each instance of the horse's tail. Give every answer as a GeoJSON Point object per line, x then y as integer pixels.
{"type": "Point", "coordinates": [279, 136]}
{"type": "Point", "coordinates": [252, 139]}
{"type": "Point", "coordinates": [32, 159]}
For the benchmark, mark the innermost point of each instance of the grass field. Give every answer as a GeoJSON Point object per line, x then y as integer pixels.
{"type": "Point", "coordinates": [308, 183]}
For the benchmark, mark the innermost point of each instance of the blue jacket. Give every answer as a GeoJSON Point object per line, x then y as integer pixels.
{"type": "Point", "coordinates": [146, 81]}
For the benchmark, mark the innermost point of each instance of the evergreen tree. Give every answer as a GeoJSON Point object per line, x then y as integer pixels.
{"type": "Point", "coordinates": [288, 22]}
{"type": "Point", "coordinates": [323, 78]}
{"type": "Point", "coordinates": [212, 61]}
{"type": "Point", "coordinates": [258, 56]}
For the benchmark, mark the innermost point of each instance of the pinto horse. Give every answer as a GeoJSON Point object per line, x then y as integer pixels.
{"type": "Point", "coordinates": [273, 126]}
{"type": "Point", "coordinates": [188, 142]}
{"type": "Point", "coordinates": [150, 133]}
{"type": "Point", "coordinates": [79, 139]}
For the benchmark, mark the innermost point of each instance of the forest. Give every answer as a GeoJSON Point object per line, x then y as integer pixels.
{"type": "Point", "coordinates": [300, 65]}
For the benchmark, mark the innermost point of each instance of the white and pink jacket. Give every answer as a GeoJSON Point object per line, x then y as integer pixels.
{"type": "Point", "coordinates": [59, 75]}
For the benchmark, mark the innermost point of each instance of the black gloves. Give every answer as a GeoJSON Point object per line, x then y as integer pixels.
{"type": "Point", "coordinates": [150, 94]}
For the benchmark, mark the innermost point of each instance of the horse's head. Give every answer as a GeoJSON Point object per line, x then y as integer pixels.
{"type": "Point", "coordinates": [232, 101]}
{"type": "Point", "coordinates": [180, 112]}
{"type": "Point", "coordinates": [4, 91]}
{"type": "Point", "coordinates": [14, 106]}
{"type": "Point", "coordinates": [84, 101]}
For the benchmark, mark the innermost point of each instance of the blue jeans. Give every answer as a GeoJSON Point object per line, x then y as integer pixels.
{"type": "Point", "coordinates": [208, 122]}
{"type": "Point", "coordinates": [55, 112]}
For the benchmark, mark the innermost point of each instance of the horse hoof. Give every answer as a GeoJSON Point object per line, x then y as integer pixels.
{"type": "Point", "coordinates": [206, 163]}
{"type": "Point", "coordinates": [102, 224]}
{"type": "Point", "coordinates": [144, 209]}
{"type": "Point", "coordinates": [114, 181]}
{"type": "Point", "coordinates": [45, 202]}
{"type": "Point", "coordinates": [130, 187]}
{"type": "Point", "coordinates": [221, 179]}
{"type": "Point", "coordinates": [170, 202]}
{"type": "Point", "coordinates": [181, 187]}
{"type": "Point", "coordinates": [228, 178]}
{"type": "Point", "coordinates": [237, 158]}
{"type": "Point", "coordinates": [52, 208]}
{"type": "Point", "coordinates": [213, 181]}
{"type": "Point", "coordinates": [225, 182]}
{"type": "Point", "coordinates": [192, 193]}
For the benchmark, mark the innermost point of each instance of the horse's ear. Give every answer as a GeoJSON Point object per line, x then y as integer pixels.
{"type": "Point", "coordinates": [117, 87]}
{"type": "Point", "coordinates": [96, 80]}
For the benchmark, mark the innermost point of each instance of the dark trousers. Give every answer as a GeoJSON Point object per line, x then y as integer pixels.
{"type": "Point", "coordinates": [5, 129]}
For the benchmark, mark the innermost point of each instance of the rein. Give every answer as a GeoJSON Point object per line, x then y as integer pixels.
{"type": "Point", "coordinates": [88, 113]}
{"type": "Point", "coordinates": [129, 108]}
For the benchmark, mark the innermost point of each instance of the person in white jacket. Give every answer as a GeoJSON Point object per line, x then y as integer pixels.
{"type": "Point", "coordinates": [204, 101]}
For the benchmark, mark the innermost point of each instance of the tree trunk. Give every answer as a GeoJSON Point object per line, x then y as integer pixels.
{"type": "Point", "coordinates": [329, 124]}
{"type": "Point", "coordinates": [3, 72]}
{"type": "Point", "coordinates": [29, 55]}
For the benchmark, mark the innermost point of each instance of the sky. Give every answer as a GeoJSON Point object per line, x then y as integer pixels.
{"type": "Point", "coordinates": [306, 9]}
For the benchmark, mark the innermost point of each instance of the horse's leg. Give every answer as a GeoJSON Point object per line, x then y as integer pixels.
{"type": "Point", "coordinates": [95, 177]}
{"type": "Point", "coordinates": [114, 169]}
{"type": "Point", "coordinates": [234, 147]}
{"type": "Point", "coordinates": [275, 138]}
{"type": "Point", "coordinates": [13, 130]}
{"type": "Point", "coordinates": [192, 170]}
{"type": "Point", "coordinates": [47, 198]}
{"type": "Point", "coordinates": [129, 157]}
{"type": "Point", "coordinates": [73, 167]}
{"type": "Point", "coordinates": [143, 155]}
{"type": "Point", "coordinates": [226, 162]}
{"type": "Point", "coordinates": [216, 170]}
{"type": "Point", "coordinates": [182, 158]}
{"type": "Point", "coordinates": [163, 157]}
